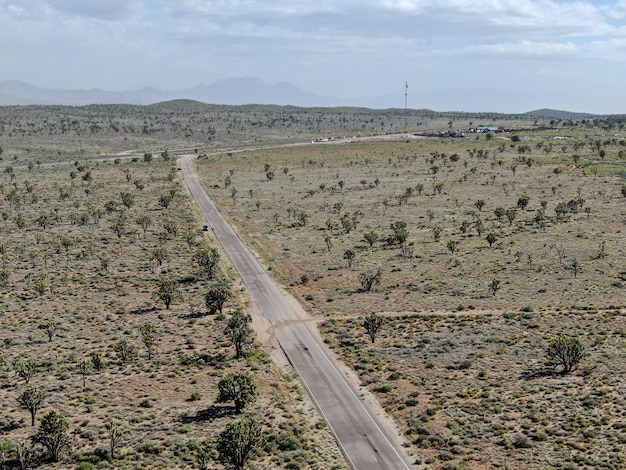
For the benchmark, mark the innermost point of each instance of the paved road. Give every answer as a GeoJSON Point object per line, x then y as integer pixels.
{"type": "Point", "coordinates": [364, 443]}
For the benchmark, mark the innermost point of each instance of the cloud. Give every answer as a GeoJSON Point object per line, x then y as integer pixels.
{"type": "Point", "coordinates": [108, 10]}
{"type": "Point", "coordinates": [327, 46]}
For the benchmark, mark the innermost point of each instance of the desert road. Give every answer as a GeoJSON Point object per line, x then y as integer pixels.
{"type": "Point", "coordinates": [363, 441]}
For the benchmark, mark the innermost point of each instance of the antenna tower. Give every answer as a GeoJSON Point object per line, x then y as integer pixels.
{"type": "Point", "coordinates": [406, 89]}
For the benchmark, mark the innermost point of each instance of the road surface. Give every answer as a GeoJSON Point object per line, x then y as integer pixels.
{"type": "Point", "coordinates": [361, 438]}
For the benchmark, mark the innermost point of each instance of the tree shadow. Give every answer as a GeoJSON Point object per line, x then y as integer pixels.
{"type": "Point", "coordinates": [210, 414]}
{"type": "Point", "coordinates": [538, 373]}
{"type": "Point", "coordinates": [141, 311]}
{"type": "Point", "coordinates": [8, 426]}
{"type": "Point", "coordinates": [194, 314]}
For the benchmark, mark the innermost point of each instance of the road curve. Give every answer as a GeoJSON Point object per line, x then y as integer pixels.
{"type": "Point", "coordinates": [361, 438]}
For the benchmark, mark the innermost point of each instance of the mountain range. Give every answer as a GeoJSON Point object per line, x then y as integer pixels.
{"type": "Point", "coordinates": [249, 90]}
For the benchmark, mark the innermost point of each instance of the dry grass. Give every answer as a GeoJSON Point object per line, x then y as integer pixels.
{"type": "Point", "coordinates": [462, 370]}
{"type": "Point", "coordinates": [467, 386]}
{"type": "Point", "coordinates": [427, 276]}
{"type": "Point", "coordinates": [164, 405]}
{"type": "Point", "coordinates": [475, 391]}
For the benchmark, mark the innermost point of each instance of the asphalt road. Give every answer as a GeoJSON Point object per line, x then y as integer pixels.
{"type": "Point", "coordinates": [361, 438]}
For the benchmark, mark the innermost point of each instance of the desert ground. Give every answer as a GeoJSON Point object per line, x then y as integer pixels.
{"type": "Point", "coordinates": [487, 248]}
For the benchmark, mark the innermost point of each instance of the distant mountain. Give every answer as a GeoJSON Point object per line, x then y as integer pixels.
{"type": "Point", "coordinates": [234, 91]}
{"type": "Point", "coordinates": [248, 90]}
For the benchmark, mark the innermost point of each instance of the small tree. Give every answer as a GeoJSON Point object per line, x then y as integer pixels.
{"type": "Point", "coordinates": [575, 267]}
{"type": "Point", "coordinates": [96, 360]}
{"type": "Point", "coordinates": [479, 204]}
{"type": "Point", "coordinates": [369, 278]}
{"type": "Point", "coordinates": [53, 434]}
{"type": "Point", "coordinates": [165, 201]}
{"type": "Point", "coordinates": [25, 369]}
{"type": "Point", "coordinates": [124, 350]}
{"type": "Point", "coordinates": [167, 291]}
{"type": "Point", "coordinates": [119, 224]}
{"type": "Point", "coordinates": [4, 277]}
{"type": "Point", "coordinates": [370, 238]}
{"type": "Point", "coordinates": [494, 287]}
{"type": "Point", "coordinates": [159, 254]}
{"type": "Point", "coordinates": [238, 330]}
{"type": "Point", "coordinates": [511, 215]}
{"type": "Point", "coordinates": [148, 337]}
{"type": "Point", "coordinates": [50, 327]}
{"type": "Point", "coordinates": [349, 256]}
{"type": "Point", "coordinates": [373, 324]}
{"type": "Point", "coordinates": [204, 454]}
{"type": "Point", "coordinates": [565, 351]}
{"type": "Point", "coordinates": [522, 202]}
{"type": "Point", "coordinates": [24, 454]}
{"type": "Point", "coordinates": [491, 238]}
{"type": "Point", "coordinates": [83, 368]}
{"type": "Point", "coordinates": [115, 436]}
{"type": "Point", "coordinates": [217, 297]}
{"type": "Point", "coordinates": [31, 399]}
{"type": "Point", "coordinates": [452, 245]}
{"type": "Point", "coordinates": [238, 441]}
{"type": "Point", "coordinates": [208, 260]}
{"type": "Point", "coordinates": [400, 233]}
{"type": "Point", "coordinates": [144, 222]}
{"type": "Point", "coordinates": [128, 199]}
{"type": "Point", "coordinates": [437, 229]}
{"type": "Point", "coordinates": [239, 388]}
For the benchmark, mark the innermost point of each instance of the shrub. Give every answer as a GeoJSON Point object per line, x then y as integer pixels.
{"type": "Point", "coordinates": [565, 351]}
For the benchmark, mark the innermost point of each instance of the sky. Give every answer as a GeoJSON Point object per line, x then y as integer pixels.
{"type": "Point", "coordinates": [504, 53]}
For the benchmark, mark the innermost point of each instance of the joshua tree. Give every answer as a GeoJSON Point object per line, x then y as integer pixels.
{"type": "Point", "coordinates": [239, 388]}
{"type": "Point", "coordinates": [25, 369]}
{"type": "Point", "coordinates": [217, 297]}
{"type": "Point", "coordinates": [124, 350]}
{"type": "Point", "coordinates": [238, 441]}
{"type": "Point", "coordinates": [491, 238]}
{"type": "Point", "coordinates": [522, 202]}
{"type": "Point", "coordinates": [167, 291]}
{"type": "Point", "coordinates": [369, 278]}
{"type": "Point", "coordinates": [494, 287]}
{"type": "Point", "coordinates": [511, 215]}
{"type": "Point", "coordinates": [372, 325]}
{"type": "Point", "coordinates": [115, 436]}
{"type": "Point", "coordinates": [148, 337]}
{"type": "Point", "coordinates": [208, 260]}
{"type": "Point", "coordinates": [370, 237]}
{"type": "Point", "coordinates": [144, 222]}
{"type": "Point", "coordinates": [31, 399]}
{"type": "Point", "coordinates": [349, 256]}
{"type": "Point", "coordinates": [53, 434]}
{"type": "Point", "coordinates": [159, 254]}
{"type": "Point", "coordinates": [50, 327]}
{"type": "Point", "coordinates": [238, 331]}
{"type": "Point", "coordinates": [83, 369]}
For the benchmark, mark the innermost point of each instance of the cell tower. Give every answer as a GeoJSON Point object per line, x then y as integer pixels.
{"type": "Point", "coordinates": [406, 90]}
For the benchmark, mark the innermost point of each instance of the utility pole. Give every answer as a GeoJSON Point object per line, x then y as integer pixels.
{"type": "Point", "coordinates": [406, 90]}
